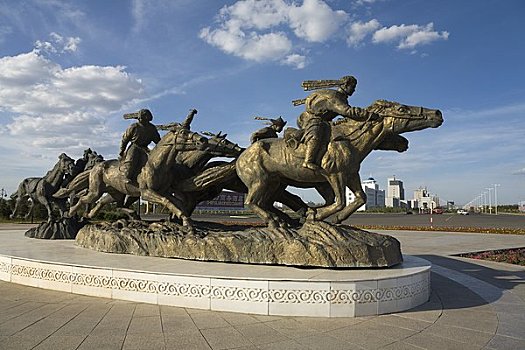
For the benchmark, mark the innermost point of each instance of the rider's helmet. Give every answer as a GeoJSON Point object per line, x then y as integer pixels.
{"type": "Point", "coordinates": [348, 84]}
{"type": "Point", "coordinates": [145, 114]}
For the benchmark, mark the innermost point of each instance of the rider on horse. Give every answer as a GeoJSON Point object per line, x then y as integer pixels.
{"type": "Point", "coordinates": [271, 131]}
{"type": "Point", "coordinates": [140, 135]}
{"type": "Point", "coordinates": [320, 108]}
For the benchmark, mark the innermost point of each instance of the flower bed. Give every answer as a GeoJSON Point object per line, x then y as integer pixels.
{"type": "Point", "coordinates": [510, 256]}
{"type": "Point", "coordinates": [495, 230]}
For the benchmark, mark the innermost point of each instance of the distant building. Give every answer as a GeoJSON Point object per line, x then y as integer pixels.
{"type": "Point", "coordinates": [374, 196]}
{"type": "Point", "coordinates": [395, 192]}
{"type": "Point", "coordinates": [521, 206]}
{"type": "Point", "coordinates": [226, 200]}
{"type": "Point", "coordinates": [425, 200]}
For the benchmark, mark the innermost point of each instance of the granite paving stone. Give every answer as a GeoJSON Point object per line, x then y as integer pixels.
{"type": "Point", "coordinates": [55, 342]}
{"type": "Point", "coordinates": [260, 333]}
{"type": "Point", "coordinates": [140, 341]}
{"type": "Point", "coordinates": [434, 342]}
{"type": "Point", "coordinates": [186, 341]}
{"type": "Point", "coordinates": [224, 338]}
{"type": "Point", "coordinates": [507, 343]}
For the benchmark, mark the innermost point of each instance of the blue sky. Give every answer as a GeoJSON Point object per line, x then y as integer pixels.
{"type": "Point", "coordinates": [69, 70]}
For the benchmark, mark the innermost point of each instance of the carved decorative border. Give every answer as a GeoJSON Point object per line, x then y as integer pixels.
{"type": "Point", "coordinates": [233, 293]}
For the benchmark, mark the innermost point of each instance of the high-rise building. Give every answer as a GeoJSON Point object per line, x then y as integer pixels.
{"type": "Point", "coordinates": [395, 192]}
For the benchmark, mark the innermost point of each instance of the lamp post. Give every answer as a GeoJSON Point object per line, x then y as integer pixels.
{"type": "Point", "coordinates": [496, 197]}
{"type": "Point", "coordinates": [490, 203]}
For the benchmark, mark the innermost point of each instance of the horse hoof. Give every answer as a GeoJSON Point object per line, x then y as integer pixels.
{"type": "Point", "coordinates": [273, 224]}
{"type": "Point", "coordinates": [310, 214]}
{"type": "Point", "coordinates": [284, 225]}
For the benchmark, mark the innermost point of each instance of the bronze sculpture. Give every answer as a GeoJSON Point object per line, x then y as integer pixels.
{"type": "Point", "coordinates": [41, 189]}
{"type": "Point", "coordinates": [320, 108]}
{"type": "Point", "coordinates": [269, 164]}
{"type": "Point", "coordinates": [138, 135]}
{"type": "Point", "coordinates": [179, 171]}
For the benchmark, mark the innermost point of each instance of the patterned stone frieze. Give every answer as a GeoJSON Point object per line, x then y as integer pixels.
{"type": "Point", "coordinates": [233, 293]}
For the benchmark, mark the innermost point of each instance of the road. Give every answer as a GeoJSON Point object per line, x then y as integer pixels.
{"type": "Point", "coordinates": [443, 220]}
{"type": "Point", "coordinates": [419, 220]}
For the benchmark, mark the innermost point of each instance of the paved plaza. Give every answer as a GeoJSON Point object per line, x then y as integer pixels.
{"type": "Point", "coordinates": [474, 305]}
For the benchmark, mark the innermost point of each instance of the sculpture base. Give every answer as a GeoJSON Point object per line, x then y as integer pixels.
{"type": "Point", "coordinates": [257, 289]}
{"type": "Point", "coordinates": [64, 228]}
{"type": "Point", "coordinates": [316, 244]}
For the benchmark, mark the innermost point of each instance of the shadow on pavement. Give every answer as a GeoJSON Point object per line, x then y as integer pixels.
{"type": "Point", "coordinates": [454, 295]}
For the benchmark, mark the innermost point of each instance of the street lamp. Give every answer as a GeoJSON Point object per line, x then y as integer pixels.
{"type": "Point", "coordinates": [490, 203]}
{"type": "Point", "coordinates": [496, 197]}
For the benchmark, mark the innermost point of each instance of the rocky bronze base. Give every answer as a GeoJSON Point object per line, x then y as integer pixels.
{"type": "Point", "coordinates": [64, 228]}
{"type": "Point", "coordinates": [316, 244]}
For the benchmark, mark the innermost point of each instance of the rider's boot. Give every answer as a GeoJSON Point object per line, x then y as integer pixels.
{"type": "Point", "coordinates": [310, 156]}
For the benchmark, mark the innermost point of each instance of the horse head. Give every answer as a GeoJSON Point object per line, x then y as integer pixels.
{"type": "Point", "coordinates": [66, 164]}
{"type": "Point", "coordinates": [400, 118]}
{"type": "Point", "coordinates": [187, 140]}
{"type": "Point", "coordinates": [219, 145]}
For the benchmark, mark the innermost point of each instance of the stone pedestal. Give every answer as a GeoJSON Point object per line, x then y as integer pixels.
{"type": "Point", "coordinates": [315, 244]}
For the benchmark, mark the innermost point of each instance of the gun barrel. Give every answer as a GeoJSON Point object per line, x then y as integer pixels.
{"type": "Point", "coordinates": [319, 84]}
{"type": "Point", "coordinates": [134, 115]}
{"type": "Point", "coordinates": [299, 102]}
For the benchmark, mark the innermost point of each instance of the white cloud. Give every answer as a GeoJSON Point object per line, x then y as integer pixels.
{"type": "Point", "coordinates": [57, 44]}
{"type": "Point", "coordinates": [520, 172]}
{"type": "Point", "coordinates": [46, 106]}
{"type": "Point", "coordinates": [256, 14]}
{"type": "Point", "coordinates": [409, 36]}
{"type": "Point", "coordinates": [261, 30]}
{"type": "Point", "coordinates": [359, 30]}
{"type": "Point", "coordinates": [252, 29]}
{"type": "Point", "coordinates": [315, 21]}
{"type": "Point", "coordinates": [295, 60]}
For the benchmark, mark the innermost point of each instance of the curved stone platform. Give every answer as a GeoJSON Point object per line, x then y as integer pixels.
{"type": "Point", "coordinates": [266, 290]}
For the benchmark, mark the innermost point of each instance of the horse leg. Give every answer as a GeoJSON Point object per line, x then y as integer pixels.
{"type": "Point", "coordinates": [94, 192]}
{"type": "Point", "coordinates": [258, 194]}
{"type": "Point", "coordinates": [337, 184]}
{"type": "Point", "coordinates": [169, 202]}
{"type": "Point", "coordinates": [325, 190]}
{"type": "Point", "coordinates": [124, 204]}
{"type": "Point", "coordinates": [18, 203]}
{"type": "Point", "coordinates": [354, 184]}
{"type": "Point", "coordinates": [107, 199]}
{"type": "Point", "coordinates": [30, 207]}
{"type": "Point", "coordinates": [61, 205]}
{"type": "Point", "coordinates": [292, 201]}
{"type": "Point", "coordinates": [48, 206]}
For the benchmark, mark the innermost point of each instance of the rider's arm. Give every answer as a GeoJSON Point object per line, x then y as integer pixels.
{"type": "Point", "coordinates": [356, 113]}
{"type": "Point", "coordinates": [126, 138]}
{"type": "Point", "coordinates": [156, 135]}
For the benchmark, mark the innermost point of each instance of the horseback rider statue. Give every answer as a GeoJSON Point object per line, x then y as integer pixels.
{"type": "Point", "coordinates": [275, 126]}
{"type": "Point", "coordinates": [321, 107]}
{"type": "Point", "coordinates": [139, 135]}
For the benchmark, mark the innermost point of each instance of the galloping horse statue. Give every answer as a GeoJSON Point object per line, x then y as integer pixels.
{"type": "Point", "coordinates": [41, 189]}
{"type": "Point", "coordinates": [156, 178]}
{"type": "Point", "coordinates": [270, 165]}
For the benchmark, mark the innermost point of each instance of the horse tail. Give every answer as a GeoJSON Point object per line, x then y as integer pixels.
{"type": "Point", "coordinates": [79, 183]}
{"type": "Point", "coordinates": [209, 177]}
